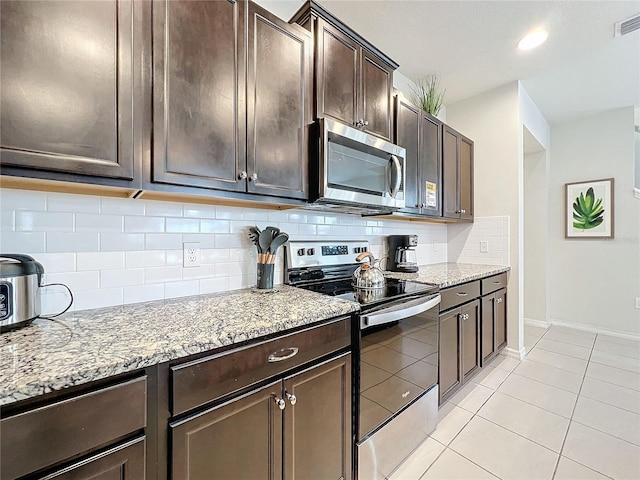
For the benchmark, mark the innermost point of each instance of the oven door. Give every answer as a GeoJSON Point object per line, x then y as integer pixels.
{"type": "Point", "coordinates": [359, 168]}
{"type": "Point", "coordinates": [398, 359]}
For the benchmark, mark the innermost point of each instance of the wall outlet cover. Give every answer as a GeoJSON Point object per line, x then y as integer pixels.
{"type": "Point", "coordinates": [484, 247]}
{"type": "Point", "coordinates": [637, 302]}
{"type": "Point", "coordinates": [191, 254]}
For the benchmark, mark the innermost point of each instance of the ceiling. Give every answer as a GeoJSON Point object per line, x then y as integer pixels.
{"type": "Point", "coordinates": [581, 69]}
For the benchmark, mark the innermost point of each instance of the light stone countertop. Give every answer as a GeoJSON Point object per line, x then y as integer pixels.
{"type": "Point", "coordinates": [449, 274]}
{"type": "Point", "coordinates": [88, 345]}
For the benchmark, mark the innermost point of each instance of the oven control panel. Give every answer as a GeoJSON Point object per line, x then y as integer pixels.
{"type": "Point", "coordinates": [300, 254]}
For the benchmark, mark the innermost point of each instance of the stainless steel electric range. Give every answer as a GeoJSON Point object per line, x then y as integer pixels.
{"type": "Point", "coordinates": [396, 352]}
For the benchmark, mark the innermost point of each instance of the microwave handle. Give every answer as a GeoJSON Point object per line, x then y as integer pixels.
{"type": "Point", "coordinates": [396, 178]}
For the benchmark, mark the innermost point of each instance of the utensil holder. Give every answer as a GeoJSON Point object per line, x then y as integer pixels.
{"type": "Point", "coordinates": [265, 276]}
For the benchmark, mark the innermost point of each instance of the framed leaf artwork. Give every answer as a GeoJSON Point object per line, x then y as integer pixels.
{"type": "Point", "coordinates": [589, 209]}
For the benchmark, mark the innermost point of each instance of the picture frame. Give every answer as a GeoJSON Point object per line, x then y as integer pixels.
{"type": "Point", "coordinates": [589, 209]}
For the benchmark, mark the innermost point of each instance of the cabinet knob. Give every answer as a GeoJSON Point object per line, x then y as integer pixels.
{"type": "Point", "coordinates": [361, 123]}
{"type": "Point", "coordinates": [291, 397]}
{"type": "Point", "coordinates": [242, 175]}
{"type": "Point", "coordinates": [499, 300]}
{"type": "Point", "coordinates": [279, 402]}
{"type": "Point", "coordinates": [254, 177]}
{"type": "Point", "coordinates": [463, 211]}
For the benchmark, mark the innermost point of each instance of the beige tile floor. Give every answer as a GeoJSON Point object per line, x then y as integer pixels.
{"type": "Point", "coordinates": [570, 411]}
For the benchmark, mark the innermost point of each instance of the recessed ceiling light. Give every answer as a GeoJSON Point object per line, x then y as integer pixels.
{"type": "Point", "coordinates": [533, 40]}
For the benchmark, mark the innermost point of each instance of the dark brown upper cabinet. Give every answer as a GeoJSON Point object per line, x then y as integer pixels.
{"type": "Point", "coordinates": [353, 79]}
{"type": "Point", "coordinates": [216, 124]}
{"type": "Point", "coordinates": [457, 165]}
{"type": "Point", "coordinates": [421, 135]}
{"type": "Point", "coordinates": [69, 83]}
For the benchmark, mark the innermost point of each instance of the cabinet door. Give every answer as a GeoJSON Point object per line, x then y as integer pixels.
{"type": "Point", "coordinates": [449, 365]}
{"type": "Point", "coordinates": [488, 327]}
{"type": "Point", "coordinates": [238, 439]}
{"type": "Point", "coordinates": [450, 155]}
{"type": "Point", "coordinates": [337, 74]}
{"type": "Point", "coordinates": [279, 105]}
{"type": "Point", "coordinates": [500, 306]}
{"type": "Point", "coordinates": [431, 165]}
{"type": "Point", "coordinates": [125, 462]}
{"type": "Point", "coordinates": [466, 178]}
{"type": "Point", "coordinates": [470, 345]}
{"type": "Point", "coordinates": [408, 136]}
{"type": "Point", "coordinates": [377, 83]}
{"type": "Point", "coordinates": [67, 86]}
{"type": "Point", "coordinates": [317, 435]}
{"type": "Point", "coordinates": [198, 98]}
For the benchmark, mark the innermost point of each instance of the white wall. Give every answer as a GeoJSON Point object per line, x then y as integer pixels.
{"type": "Point", "coordinates": [113, 251]}
{"type": "Point", "coordinates": [593, 283]}
{"type": "Point", "coordinates": [463, 241]}
{"type": "Point", "coordinates": [536, 221]}
{"type": "Point", "coordinates": [492, 121]}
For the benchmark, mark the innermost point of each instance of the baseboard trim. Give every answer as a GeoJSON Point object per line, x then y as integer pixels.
{"type": "Point", "coordinates": [593, 329]}
{"type": "Point", "coordinates": [514, 353]}
{"type": "Point", "coordinates": [536, 323]}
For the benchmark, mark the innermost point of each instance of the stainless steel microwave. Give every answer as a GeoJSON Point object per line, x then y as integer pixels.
{"type": "Point", "coordinates": [357, 170]}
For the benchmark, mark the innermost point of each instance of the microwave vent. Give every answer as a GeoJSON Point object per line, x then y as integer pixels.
{"type": "Point", "coordinates": [627, 26]}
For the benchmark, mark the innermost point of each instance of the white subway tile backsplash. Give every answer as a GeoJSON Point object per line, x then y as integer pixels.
{"type": "Point", "coordinates": [143, 293]}
{"type": "Point", "coordinates": [86, 222]}
{"type": "Point", "coordinates": [162, 209]}
{"type": "Point", "coordinates": [162, 274]}
{"type": "Point", "coordinates": [57, 262]}
{"type": "Point", "coordinates": [144, 224]}
{"type": "Point", "coordinates": [22, 200]}
{"type": "Point", "coordinates": [102, 297]}
{"type": "Point", "coordinates": [214, 226]}
{"type": "Point", "coordinates": [76, 281]}
{"type": "Point", "coordinates": [148, 258]}
{"type": "Point", "coordinates": [55, 303]}
{"type": "Point", "coordinates": [72, 242]}
{"type": "Point", "coordinates": [122, 206]}
{"type": "Point", "coordinates": [100, 260]}
{"type": "Point", "coordinates": [228, 269]}
{"type": "Point", "coordinates": [213, 285]}
{"type": "Point", "coordinates": [228, 213]}
{"type": "Point", "coordinates": [60, 202]}
{"type": "Point", "coordinates": [229, 241]}
{"type": "Point", "coordinates": [7, 220]}
{"type": "Point", "coordinates": [121, 278]}
{"type": "Point", "coordinates": [183, 225]}
{"type": "Point", "coordinates": [214, 255]}
{"type": "Point", "coordinates": [27, 221]}
{"type": "Point", "coordinates": [324, 230]}
{"type": "Point", "coordinates": [203, 271]}
{"type": "Point", "coordinates": [162, 241]}
{"type": "Point", "coordinates": [174, 257]}
{"type": "Point", "coordinates": [181, 289]}
{"type": "Point", "coordinates": [17, 242]}
{"type": "Point", "coordinates": [199, 211]}
{"type": "Point", "coordinates": [119, 242]}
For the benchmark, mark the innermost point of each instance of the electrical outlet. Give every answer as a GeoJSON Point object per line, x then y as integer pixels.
{"type": "Point", "coordinates": [637, 302]}
{"type": "Point", "coordinates": [191, 254]}
{"type": "Point", "coordinates": [484, 247]}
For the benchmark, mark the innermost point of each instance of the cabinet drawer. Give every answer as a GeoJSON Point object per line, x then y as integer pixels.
{"type": "Point", "coordinates": [454, 296]}
{"type": "Point", "coordinates": [203, 380]}
{"type": "Point", "coordinates": [491, 284]}
{"type": "Point", "coordinates": [38, 438]}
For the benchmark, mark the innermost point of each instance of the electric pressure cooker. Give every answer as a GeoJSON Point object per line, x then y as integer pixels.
{"type": "Point", "coordinates": [20, 284]}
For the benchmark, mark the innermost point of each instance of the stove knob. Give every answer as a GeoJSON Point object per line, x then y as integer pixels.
{"type": "Point", "coordinates": [311, 251]}
{"type": "Point", "coordinates": [300, 252]}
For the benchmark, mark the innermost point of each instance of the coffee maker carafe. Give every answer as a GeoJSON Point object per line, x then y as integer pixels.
{"type": "Point", "coordinates": [402, 254]}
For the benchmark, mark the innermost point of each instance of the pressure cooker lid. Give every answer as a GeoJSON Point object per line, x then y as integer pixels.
{"type": "Point", "coordinates": [16, 265]}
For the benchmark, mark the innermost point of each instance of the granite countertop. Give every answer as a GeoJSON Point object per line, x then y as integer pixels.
{"type": "Point", "coordinates": [88, 345]}
{"type": "Point", "coordinates": [448, 274]}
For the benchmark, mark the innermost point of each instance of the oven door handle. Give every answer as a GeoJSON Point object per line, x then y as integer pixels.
{"type": "Point", "coordinates": [405, 310]}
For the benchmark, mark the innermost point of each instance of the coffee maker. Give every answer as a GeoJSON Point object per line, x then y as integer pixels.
{"type": "Point", "coordinates": [402, 254]}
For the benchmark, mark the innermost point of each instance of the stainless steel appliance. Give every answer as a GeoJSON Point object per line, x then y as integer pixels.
{"type": "Point", "coordinates": [353, 170]}
{"type": "Point", "coordinates": [402, 254]}
{"type": "Point", "coordinates": [20, 283]}
{"type": "Point", "coordinates": [396, 352]}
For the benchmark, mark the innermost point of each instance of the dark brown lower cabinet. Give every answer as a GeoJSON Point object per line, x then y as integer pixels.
{"type": "Point", "coordinates": [470, 342]}
{"type": "Point", "coordinates": [494, 324]}
{"type": "Point", "coordinates": [124, 462]}
{"type": "Point", "coordinates": [449, 370]}
{"type": "Point", "coordinates": [295, 428]}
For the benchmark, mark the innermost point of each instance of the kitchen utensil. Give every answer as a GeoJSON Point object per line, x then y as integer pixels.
{"type": "Point", "coordinates": [254, 234]}
{"type": "Point", "coordinates": [20, 284]}
{"type": "Point", "coordinates": [264, 240]}
{"type": "Point", "coordinates": [277, 242]}
{"type": "Point", "coordinates": [367, 276]}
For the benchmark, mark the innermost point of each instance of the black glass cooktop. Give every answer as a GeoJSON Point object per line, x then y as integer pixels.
{"type": "Point", "coordinates": [393, 289]}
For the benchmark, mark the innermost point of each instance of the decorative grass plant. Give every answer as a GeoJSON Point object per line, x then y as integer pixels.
{"type": "Point", "coordinates": [428, 95]}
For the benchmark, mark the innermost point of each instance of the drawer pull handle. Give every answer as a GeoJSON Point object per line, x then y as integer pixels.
{"type": "Point", "coordinates": [291, 397]}
{"type": "Point", "coordinates": [279, 402]}
{"type": "Point", "coordinates": [283, 354]}
{"type": "Point", "coordinates": [462, 294]}
{"type": "Point", "coordinates": [496, 283]}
